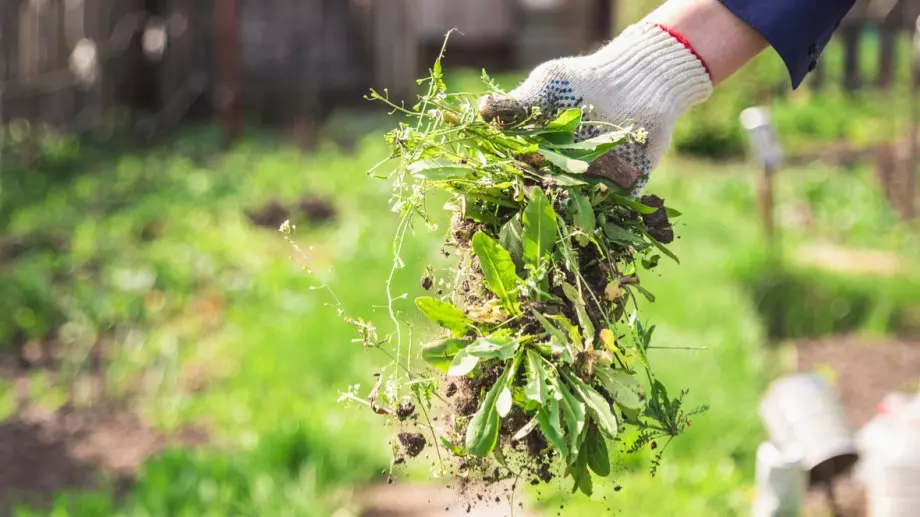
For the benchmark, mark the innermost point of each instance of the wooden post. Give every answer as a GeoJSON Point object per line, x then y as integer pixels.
{"type": "Point", "coordinates": [229, 89]}
{"type": "Point", "coordinates": [765, 145]}
{"type": "Point", "coordinates": [396, 47]}
{"type": "Point", "coordinates": [888, 31]}
{"type": "Point", "coordinates": [614, 21]}
{"type": "Point", "coordinates": [767, 208]}
{"type": "Point", "coordinates": [850, 36]}
{"type": "Point", "coordinates": [3, 78]}
{"type": "Point", "coordinates": [910, 172]}
{"type": "Point", "coordinates": [818, 77]}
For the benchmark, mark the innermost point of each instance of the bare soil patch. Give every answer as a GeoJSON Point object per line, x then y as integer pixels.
{"type": "Point", "coordinates": [310, 209]}
{"type": "Point", "coordinates": [44, 452]}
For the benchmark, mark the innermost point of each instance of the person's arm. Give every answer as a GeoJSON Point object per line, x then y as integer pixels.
{"type": "Point", "coordinates": [723, 41]}
{"type": "Point", "coordinates": [798, 30]}
{"type": "Point", "coordinates": [662, 66]}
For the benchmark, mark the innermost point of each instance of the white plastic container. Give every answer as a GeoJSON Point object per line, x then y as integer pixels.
{"type": "Point", "coordinates": [803, 418]}
{"type": "Point", "coordinates": [873, 436]}
{"type": "Point", "coordinates": [892, 473]}
{"type": "Point", "coordinates": [781, 483]}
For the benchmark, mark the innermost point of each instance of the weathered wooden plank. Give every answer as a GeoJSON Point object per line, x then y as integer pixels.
{"type": "Point", "coordinates": [849, 36]}
{"type": "Point", "coordinates": [396, 47]}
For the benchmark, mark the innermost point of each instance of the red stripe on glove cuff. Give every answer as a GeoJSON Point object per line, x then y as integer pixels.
{"type": "Point", "coordinates": [685, 42]}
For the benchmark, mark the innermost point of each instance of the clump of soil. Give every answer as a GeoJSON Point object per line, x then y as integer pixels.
{"type": "Point", "coordinates": [657, 222]}
{"type": "Point", "coordinates": [413, 443]}
{"type": "Point", "coordinates": [405, 410]}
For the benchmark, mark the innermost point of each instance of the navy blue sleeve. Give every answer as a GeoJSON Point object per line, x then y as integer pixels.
{"type": "Point", "coordinates": [797, 29]}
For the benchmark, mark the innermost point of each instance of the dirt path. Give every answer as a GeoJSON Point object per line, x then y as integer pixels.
{"type": "Point", "coordinates": [417, 500]}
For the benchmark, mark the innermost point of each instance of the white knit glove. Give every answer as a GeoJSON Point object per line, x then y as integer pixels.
{"type": "Point", "coordinates": [646, 78]}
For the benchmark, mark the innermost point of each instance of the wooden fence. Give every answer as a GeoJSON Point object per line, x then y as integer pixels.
{"type": "Point", "coordinates": [889, 19]}
{"type": "Point", "coordinates": [69, 62]}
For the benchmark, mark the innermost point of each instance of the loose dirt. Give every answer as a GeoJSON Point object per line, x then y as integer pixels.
{"type": "Point", "coordinates": [413, 500]}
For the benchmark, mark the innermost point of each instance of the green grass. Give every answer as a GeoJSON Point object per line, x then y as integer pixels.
{"type": "Point", "coordinates": [274, 352]}
{"type": "Point", "coordinates": [276, 356]}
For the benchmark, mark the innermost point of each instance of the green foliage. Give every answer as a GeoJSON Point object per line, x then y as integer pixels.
{"type": "Point", "coordinates": [154, 255]}
{"type": "Point", "coordinates": [531, 232]}
{"type": "Point", "coordinates": [444, 314]}
{"type": "Point", "coordinates": [539, 234]}
{"type": "Point", "coordinates": [498, 269]}
{"type": "Point", "coordinates": [280, 353]}
{"type": "Point", "coordinates": [482, 431]}
{"type": "Point", "coordinates": [797, 302]}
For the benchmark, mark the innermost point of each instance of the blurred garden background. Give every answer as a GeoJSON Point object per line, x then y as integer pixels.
{"type": "Point", "coordinates": [161, 354]}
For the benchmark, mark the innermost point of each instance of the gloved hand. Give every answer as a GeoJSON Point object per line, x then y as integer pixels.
{"type": "Point", "coordinates": [647, 77]}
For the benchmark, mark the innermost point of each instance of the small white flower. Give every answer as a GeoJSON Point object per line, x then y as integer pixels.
{"type": "Point", "coordinates": [640, 136]}
{"type": "Point", "coordinates": [287, 228]}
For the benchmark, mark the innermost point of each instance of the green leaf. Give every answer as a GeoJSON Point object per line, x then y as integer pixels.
{"type": "Point", "coordinates": [438, 169]}
{"type": "Point", "coordinates": [574, 296]}
{"type": "Point", "coordinates": [535, 389]}
{"type": "Point", "coordinates": [646, 293]}
{"type": "Point", "coordinates": [455, 449]}
{"type": "Point", "coordinates": [580, 474]}
{"type": "Point", "coordinates": [482, 431]}
{"type": "Point", "coordinates": [620, 235]}
{"type": "Point", "coordinates": [444, 314]}
{"type": "Point", "coordinates": [611, 139]}
{"type": "Point", "coordinates": [672, 213]}
{"type": "Point", "coordinates": [573, 412]}
{"type": "Point", "coordinates": [490, 83]}
{"type": "Point", "coordinates": [440, 353]}
{"type": "Point", "coordinates": [582, 215]}
{"type": "Point", "coordinates": [567, 121]}
{"type": "Point", "coordinates": [570, 165]}
{"type": "Point", "coordinates": [596, 404]}
{"type": "Point", "coordinates": [571, 328]}
{"type": "Point", "coordinates": [539, 228]}
{"type": "Point", "coordinates": [496, 346]}
{"type": "Point", "coordinates": [548, 418]}
{"type": "Point", "coordinates": [511, 238]}
{"type": "Point", "coordinates": [596, 452]}
{"type": "Point", "coordinates": [462, 364]}
{"type": "Point", "coordinates": [634, 205]}
{"type": "Point", "coordinates": [592, 149]}
{"type": "Point", "coordinates": [623, 387]}
{"type": "Point", "coordinates": [662, 248]}
{"type": "Point", "coordinates": [566, 180]}
{"type": "Point", "coordinates": [549, 327]}
{"type": "Point", "coordinates": [498, 268]}
{"type": "Point", "coordinates": [472, 210]}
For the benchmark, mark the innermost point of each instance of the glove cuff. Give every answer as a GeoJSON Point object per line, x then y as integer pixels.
{"type": "Point", "coordinates": [657, 66]}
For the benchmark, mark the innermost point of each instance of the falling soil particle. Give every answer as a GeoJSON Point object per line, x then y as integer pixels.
{"type": "Point", "coordinates": [451, 390]}
{"type": "Point", "coordinates": [657, 222]}
{"type": "Point", "coordinates": [413, 443]}
{"type": "Point", "coordinates": [405, 410]}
